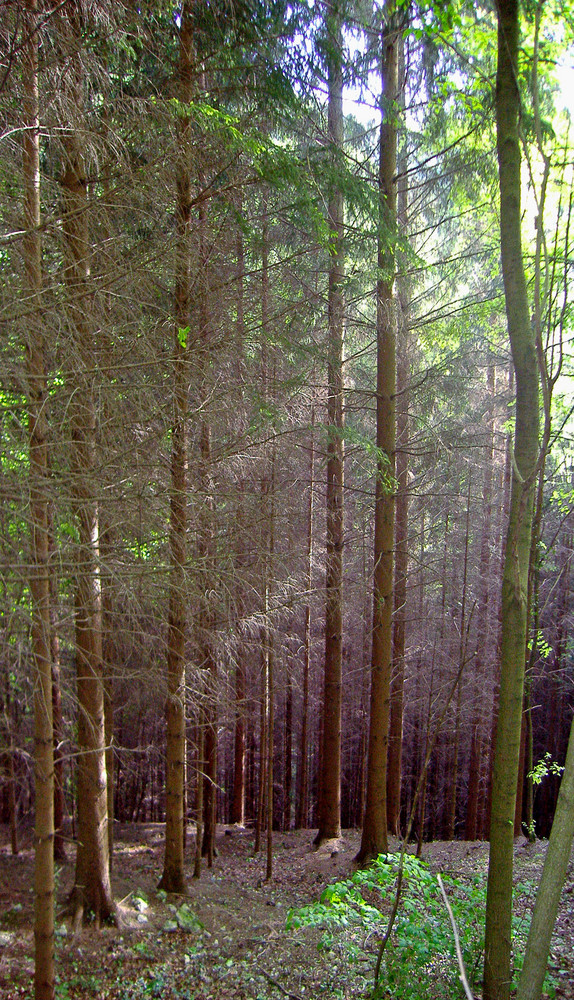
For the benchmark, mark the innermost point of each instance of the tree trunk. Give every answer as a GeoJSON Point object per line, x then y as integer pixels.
{"type": "Point", "coordinates": [44, 970]}
{"type": "Point", "coordinates": [238, 801]}
{"type": "Point", "coordinates": [497, 974]}
{"type": "Point", "coordinates": [173, 878]}
{"type": "Point", "coordinates": [60, 853]}
{"type": "Point", "coordinates": [288, 755]}
{"type": "Point", "coordinates": [374, 840]}
{"type": "Point", "coordinates": [330, 776]}
{"type": "Point", "coordinates": [551, 884]}
{"type": "Point", "coordinates": [394, 766]}
{"type": "Point", "coordinates": [92, 889]}
{"type": "Point", "coordinates": [301, 818]}
{"type": "Point", "coordinates": [477, 724]}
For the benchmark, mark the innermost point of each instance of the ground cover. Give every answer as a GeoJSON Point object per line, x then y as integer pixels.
{"type": "Point", "coordinates": [229, 938]}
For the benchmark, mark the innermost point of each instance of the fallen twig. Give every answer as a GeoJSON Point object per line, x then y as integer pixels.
{"type": "Point", "coordinates": [459, 957]}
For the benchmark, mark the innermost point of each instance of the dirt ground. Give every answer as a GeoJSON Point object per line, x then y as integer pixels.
{"type": "Point", "coordinates": [226, 939]}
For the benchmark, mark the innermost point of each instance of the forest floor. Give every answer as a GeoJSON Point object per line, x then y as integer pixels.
{"type": "Point", "coordinates": [228, 940]}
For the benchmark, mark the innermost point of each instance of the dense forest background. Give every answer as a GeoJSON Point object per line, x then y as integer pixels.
{"type": "Point", "coordinates": [189, 383]}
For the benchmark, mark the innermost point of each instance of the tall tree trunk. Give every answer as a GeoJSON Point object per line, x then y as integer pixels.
{"type": "Point", "coordinates": [402, 499]}
{"type": "Point", "coordinates": [497, 977]}
{"type": "Point", "coordinates": [92, 889]}
{"type": "Point", "coordinates": [550, 887]}
{"type": "Point", "coordinates": [301, 817]}
{"type": "Point", "coordinates": [374, 840]}
{"type": "Point", "coordinates": [238, 801]}
{"type": "Point", "coordinates": [330, 776]}
{"type": "Point", "coordinates": [207, 554]}
{"type": "Point", "coordinates": [173, 878]}
{"type": "Point", "coordinates": [477, 724]}
{"type": "Point", "coordinates": [44, 970]}
{"type": "Point", "coordinates": [288, 755]}
{"type": "Point", "coordinates": [60, 853]}
{"type": "Point", "coordinates": [9, 769]}
{"type": "Point", "coordinates": [503, 521]}
{"type": "Point", "coordinates": [462, 648]}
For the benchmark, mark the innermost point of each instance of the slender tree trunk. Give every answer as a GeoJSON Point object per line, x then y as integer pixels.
{"type": "Point", "coordinates": [551, 884]}
{"type": "Point", "coordinates": [8, 756]}
{"type": "Point", "coordinates": [456, 655]}
{"type": "Point", "coordinates": [374, 840]}
{"type": "Point", "coordinates": [301, 818]}
{"type": "Point", "coordinates": [92, 889]}
{"type": "Point", "coordinates": [60, 853]}
{"type": "Point", "coordinates": [270, 655]}
{"type": "Point", "coordinates": [288, 755]}
{"type": "Point", "coordinates": [199, 794]}
{"type": "Point", "coordinates": [263, 752]}
{"type": "Point", "coordinates": [44, 970]}
{"type": "Point", "coordinates": [238, 801]}
{"type": "Point", "coordinates": [504, 518]}
{"type": "Point", "coordinates": [497, 976]}
{"type": "Point", "coordinates": [330, 776]}
{"type": "Point", "coordinates": [109, 655]}
{"type": "Point", "coordinates": [401, 502]}
{"type": "Point", "coordinates": [173, 877]}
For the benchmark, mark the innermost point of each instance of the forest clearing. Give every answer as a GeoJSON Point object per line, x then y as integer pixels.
{"type": "Point", "coordinates": [236, 945]}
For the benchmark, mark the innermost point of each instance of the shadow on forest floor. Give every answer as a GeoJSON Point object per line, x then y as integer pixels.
{"type": "Point", "coordinates": [226, 940]}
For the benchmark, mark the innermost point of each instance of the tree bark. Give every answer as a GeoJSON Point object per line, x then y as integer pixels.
{"type": "Point", "coordinates": [394, 765]}
{"type": "Point", "coordinates": [551, 883]}
{"type": "Point", "coordinates": [497, 972]}
{"type": "Point", "coordinates": [92, 892]}
{"type": "Point", "coordinates": [301, 818]}
{"type": "Point", "coordinates": [173, 877]}
{"type": "Point", "coordinates": [374, 839]}
{"type": "Point", "coordinates": [44, 970]}
{"type": "Point", "coordinates": [330, 777]}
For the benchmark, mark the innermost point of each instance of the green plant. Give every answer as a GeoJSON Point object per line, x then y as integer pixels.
{"type": "Point", "coordinates": [420, 958]}
{"type": "Point", "coordinates": [543, 768]}
{"type": "Point", "coordinates": [421, 950]}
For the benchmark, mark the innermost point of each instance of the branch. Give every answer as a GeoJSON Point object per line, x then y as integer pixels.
{"type": "Point", "coordinates": [459, 957]}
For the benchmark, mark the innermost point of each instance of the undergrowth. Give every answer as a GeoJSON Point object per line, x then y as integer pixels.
{"type": "Point", "coordinates": [420, 957]}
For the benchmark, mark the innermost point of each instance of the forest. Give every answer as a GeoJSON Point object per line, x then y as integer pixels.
{"type": "Point", "coordinates": [287, 447]}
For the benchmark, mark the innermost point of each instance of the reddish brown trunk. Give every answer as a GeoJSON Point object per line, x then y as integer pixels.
{"type": "Point", "coordinates": [374, 840]}
{"type": "Point", "coordinates": [288, 756]}
{"type": "Point", "coordinates": [173, 878]}
{"type": "Point", "coordinates": [330, 777]}
{"type": "Point", "coordinates": [301, 818]}
{"type": "Point", "coordinates": [238, 803]}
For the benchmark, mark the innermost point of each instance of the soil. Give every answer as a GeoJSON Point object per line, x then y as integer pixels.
{"type": "Point", "coordinates": [227, 939]}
